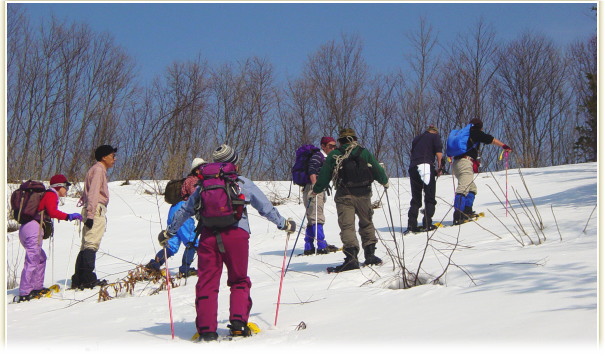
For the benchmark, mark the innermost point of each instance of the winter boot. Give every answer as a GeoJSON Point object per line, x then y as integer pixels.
{"type": "Point", "coordinates": [208, 336]}
{"type": "Point", "coordinates": [188, 255]}
{"type": "Point", "coordinates": [350, 262]}
{"type": "Point", "coordinates": [427, 222]}
{"type": "Point", "coordinates": [329, 249]}
{"type": "Point", "coordinates": [459, 205]}
{"type": "Point", "coordinates": [412, 225]}
{"type": "Point", "coordinates": [239, 328]}
{"type": "Point", "coordinates": [187, 273]}
{"type": "Point", "coordinates": [309, 240]}
{"type": "Point", "coordinates": [21, 298]}
{"type": "Point", "coordinates": [309, 251]}
{"type": "Point", "coordinates": [85, 277]}
{"type": "Point", "coordinates": [368, 253]}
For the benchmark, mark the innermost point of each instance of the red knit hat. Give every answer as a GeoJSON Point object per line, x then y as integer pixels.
{"type": "Point", "coordinates": [59, 181]}
{"type": "Point", "coordinates": [327, 139]}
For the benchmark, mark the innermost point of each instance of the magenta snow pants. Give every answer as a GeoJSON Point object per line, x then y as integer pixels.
{"type": "Point", "coordinates": [32, 276]}
{"type": "Point", "coordinates": [210, 267]}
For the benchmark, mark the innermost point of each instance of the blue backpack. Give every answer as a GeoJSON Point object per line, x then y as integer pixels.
{"type": "Point", "coordinates": [300, 170]}
{"type": "Point", "coordinates": [457, 141]}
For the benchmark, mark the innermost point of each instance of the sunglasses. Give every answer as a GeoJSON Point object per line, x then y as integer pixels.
{"type": "Point", "coordinates": [65, 185]}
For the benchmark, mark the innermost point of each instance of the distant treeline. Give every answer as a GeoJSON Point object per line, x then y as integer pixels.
{"type": "Point", "coordinates": [70, 90]}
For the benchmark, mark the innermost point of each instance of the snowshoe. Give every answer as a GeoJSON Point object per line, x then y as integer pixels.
{"type": "Point", "coordinates": [190, 272]}
{"type": "Point", "coordinates": [208, 337]}
{"type": "Point", "coordinates": [411, 229]}
{"type": "Point", "coordinates": [239, 329]}
{"type": "Point", "coordinates": [90, 285]}
{"type": "Point", "coordinates": [22, 298]}
{"type": "Point", "coordinates": [350, 262]}
{"type": "Point", "coordinates": [432, 227]}
{"type": "Point", "coordinates": [309, 251]}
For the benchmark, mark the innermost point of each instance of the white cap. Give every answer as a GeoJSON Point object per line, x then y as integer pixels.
{"type": "Point", "coordinates": [197, 162]}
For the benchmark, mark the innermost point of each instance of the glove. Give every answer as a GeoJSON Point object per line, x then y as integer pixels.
{"type": "Point", "coordinates": [386, 185]}
{"type": "Point", "coordinates": [72, 216]}
{"type": "Point", "coordinates": [89, 223]}
{"type": "Point", "coordinates": [289, 226]}
{"type": "Point", "coordinates": [506, 148]}
{"type": "Point", "coordinates": [163, 237]}
{"type": "Point", "coordinates": [439, 172]}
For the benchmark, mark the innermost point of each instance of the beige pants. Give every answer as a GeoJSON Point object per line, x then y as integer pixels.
{"type": "Point", "coordinates": [91, 237]}
{"type": "Point", "coordinates": [314, 216]}
{"type": "Point", "coordinates": [463, 170]}
{"type": "Point", "coordinates": [347, 207]}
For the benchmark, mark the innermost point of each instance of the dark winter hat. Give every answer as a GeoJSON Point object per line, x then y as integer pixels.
{"type": "Point", "coordinates": [225, 153]}
{"type": "Point", "coordinates": [327, 139]}
{"type": "Point", "coordinates": [103, 151]}
{"type": "Point", "coordinates": [477, 123]}
{"type": "Point", "coordinates": [59, 181]}
{"type": "Point", "coordinates": [347, 132]}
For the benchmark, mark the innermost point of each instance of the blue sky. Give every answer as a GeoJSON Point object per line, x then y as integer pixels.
{"type": "Point", "coordinates": [157, 34]}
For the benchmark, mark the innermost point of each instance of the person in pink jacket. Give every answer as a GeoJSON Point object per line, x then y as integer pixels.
{"type": "Point", "coordinates": [94, 201]}
{"type": "Point", "coordinates": [31, 284]}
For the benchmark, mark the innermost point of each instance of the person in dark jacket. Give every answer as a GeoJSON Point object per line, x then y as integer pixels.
{"type": "Point", "coordinates": [353, 198]}
{"type": "Point", "coordinates": [227, 246]}
{"type": "Point", "coordinates": [465, 166]}
{"type": "Point", "coordinates": [30, 236]}
{"type": "Point", "coordinates": [315, 209]}
{"type": "Point", "coordinates": [425, 148]}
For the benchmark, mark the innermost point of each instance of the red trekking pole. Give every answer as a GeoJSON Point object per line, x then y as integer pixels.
{"type": "Point", "coordinates": [281, 280]}
{"type": "Point", "coordinates": [168, 286]}
{"type": "Point", "coordinates": [506, 166]}
{"type": "Point", "coordinates": [505, 153]}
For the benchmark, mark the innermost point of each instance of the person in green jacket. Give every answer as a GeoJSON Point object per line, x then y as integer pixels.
{"type": "Point", "coordinates": [352, 169]}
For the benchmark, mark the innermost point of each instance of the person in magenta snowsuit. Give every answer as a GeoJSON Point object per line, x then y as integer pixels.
{"type": "Point", "coordinates": [31, 233]}
{"type": "Point", "coordinates": [234, 255]}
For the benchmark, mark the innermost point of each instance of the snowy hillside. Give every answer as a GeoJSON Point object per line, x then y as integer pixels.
{"type": "Point", "coordinates": [502, 289]}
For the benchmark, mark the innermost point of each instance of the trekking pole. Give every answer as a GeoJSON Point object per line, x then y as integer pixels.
{"type": "Point", "coordinates": [392, 227]}
{"type": "Point", "coordinates": [506, 165]}
{"type": "Point", "coordinates": [316, 224]}
{"type": "Point", "coordinates": [168, 288]}
{"type": "Point", "coordinates": [298, 235]}
{"type": "Point", "coordinates": [71, 248]}
{"type": "Point", "coordinates": [52, 257]}
{"type": "Point", "coordinates": [281, 280]}
{"type": "Point", "coordinates": [505, 153]}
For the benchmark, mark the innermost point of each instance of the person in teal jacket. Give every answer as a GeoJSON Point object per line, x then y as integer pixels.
{"type": "Point", "coordinates": [353, 196]}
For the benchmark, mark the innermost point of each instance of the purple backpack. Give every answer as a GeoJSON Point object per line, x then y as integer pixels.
{"type": "Point", "coordinates": [25, 201]}
{"type": "Point", "coordinates": [300, 170]}
{"type": "Point", "coordinates": [221, 201]}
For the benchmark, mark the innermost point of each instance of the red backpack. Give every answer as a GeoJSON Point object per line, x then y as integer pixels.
{"type": "Point", "coordinates": [221, 201]}
{"type": "Point", "coordinates": [25, 201]}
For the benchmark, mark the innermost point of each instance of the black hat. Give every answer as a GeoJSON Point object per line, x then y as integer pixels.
{"type": "Point", "coordinates": [477, 123]}
{"type": "Point", "coordinates": [103, 151]}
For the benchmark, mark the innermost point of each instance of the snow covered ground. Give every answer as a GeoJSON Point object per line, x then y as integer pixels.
{"type": "Point", "coordinates": [503, 291]}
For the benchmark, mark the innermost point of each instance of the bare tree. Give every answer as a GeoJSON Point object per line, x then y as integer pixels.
{"type": "Point", "coordinates": [67, 88]}
{"type": "Point", "coordinates": [338, 72]}
{"type": "Point", "coordinates": [243, 100]}
{"type": "Point", "coordinates": [533, 99]}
